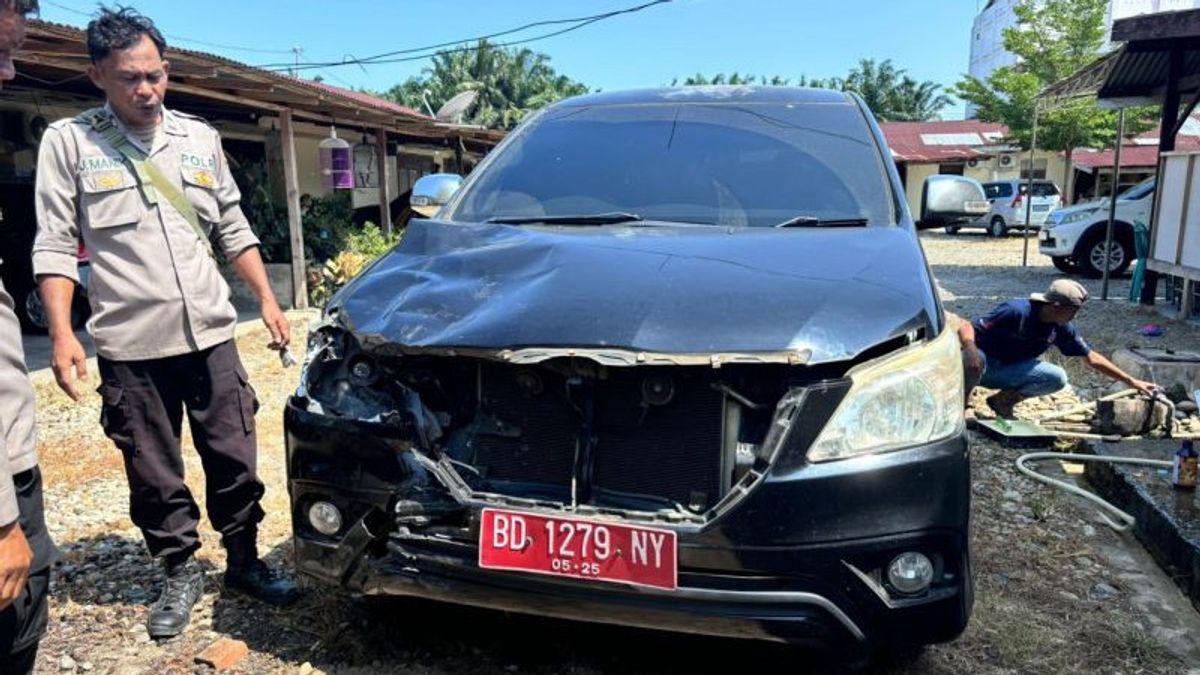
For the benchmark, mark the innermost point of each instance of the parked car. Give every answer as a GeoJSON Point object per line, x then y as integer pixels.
{"type": "Point", "coordinates": [1007, 198]}
{"type": "Point", "coordinates": [1074, 236]}
{"type": "Point", "coordinates": [667, 358]}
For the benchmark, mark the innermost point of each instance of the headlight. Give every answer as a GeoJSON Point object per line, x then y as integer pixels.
{"type": "Point", "coordinates": [897, 401]}
{"type": "Point", "coordinates": [1077, 217]}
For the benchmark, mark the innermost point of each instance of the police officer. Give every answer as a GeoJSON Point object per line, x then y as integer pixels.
{"type": "Point", "coordinates": [26, 550]}
{"type": "Point", "coordinates": [147, 189]}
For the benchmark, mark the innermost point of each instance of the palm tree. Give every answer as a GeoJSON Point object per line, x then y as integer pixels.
{"type": "Point", "coordinates": [891, 94]}
{"type": "Point", "coordinates": [511, 83]}
{"type": "Point", "coordinates": [887, 90]}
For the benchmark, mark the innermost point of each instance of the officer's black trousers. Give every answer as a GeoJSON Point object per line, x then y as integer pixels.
{"type": "Point", "coordinates": [23, 622]}
{"type": "Point", "coordinates": [144, 404]}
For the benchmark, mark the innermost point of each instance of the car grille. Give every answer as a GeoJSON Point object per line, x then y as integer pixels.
{"type": "Point", "coordinates": [534, 435]}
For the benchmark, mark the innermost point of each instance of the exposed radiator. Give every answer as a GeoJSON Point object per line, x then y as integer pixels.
{"type": "Point", "coordinates": [672, 450]}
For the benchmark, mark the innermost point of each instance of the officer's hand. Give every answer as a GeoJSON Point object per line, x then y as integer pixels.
{"type": "Point", "coordinates": [15, 559]}
{"type": "Point", "coordinates": [67, 355]}
{"type": "Point", "coordinates": [277, 323]}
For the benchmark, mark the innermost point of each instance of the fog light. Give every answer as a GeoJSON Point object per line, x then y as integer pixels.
{"type": "Point", "coordinates": [910, 573]}
{"type": "Point", "coordinates": [325, 518]}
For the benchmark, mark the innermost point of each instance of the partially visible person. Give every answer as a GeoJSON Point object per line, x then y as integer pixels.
{"type": "Point", "coordinates": [1001, 350]}
{"type": "Point", "coordinates": [26, 550]}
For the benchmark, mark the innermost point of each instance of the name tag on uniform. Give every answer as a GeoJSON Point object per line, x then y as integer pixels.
{"type": "Point", "coordinates": [199, 169]}
{"type": "Point", "coordinates": [102, 173]}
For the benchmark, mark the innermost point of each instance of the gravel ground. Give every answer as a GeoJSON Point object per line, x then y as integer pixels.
{"type": "Point", "coordinates": [1055, 591]}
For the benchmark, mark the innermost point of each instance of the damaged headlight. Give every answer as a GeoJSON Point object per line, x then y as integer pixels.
{"type": "Point", "coordinates": [904, 399]}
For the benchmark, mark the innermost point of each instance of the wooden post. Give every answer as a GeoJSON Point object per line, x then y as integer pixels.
{"type": "Point", "coordinates": [292, 184]}
{"type": "Point", "coordinates": [385, 183]}
{"type": "Point", "coordinates": [1029, 190]}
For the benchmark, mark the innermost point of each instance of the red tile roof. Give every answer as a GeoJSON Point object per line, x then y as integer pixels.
{"type": "Point", "coordinates": [1132, 156]}
{"type": "Point", "coordinates": [910, 141]}
{"type": "Point", "coordinates": [368, 100]}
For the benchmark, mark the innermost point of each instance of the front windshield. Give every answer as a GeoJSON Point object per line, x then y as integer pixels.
{"type": "Point", "coordinates": [730, 164]}
{"type": "Point", "coordinates": [1138, 191]}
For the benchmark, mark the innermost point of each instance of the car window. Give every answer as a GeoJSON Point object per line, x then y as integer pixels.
{"type": "Point", "coordinates": [997, 190]}
{"type": "Point", "coordinates": [732, 164]}
{"type": "Point", "coordinates": [1045, 190]}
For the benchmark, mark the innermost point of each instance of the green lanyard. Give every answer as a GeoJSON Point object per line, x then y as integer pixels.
{"type": "Point", "coordinates": [151, 181]}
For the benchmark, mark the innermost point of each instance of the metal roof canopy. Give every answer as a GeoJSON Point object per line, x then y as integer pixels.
{"type": "Point", "coordinates": [56, 57]}
{"type": "Point", "coordinates": [1160, 49]}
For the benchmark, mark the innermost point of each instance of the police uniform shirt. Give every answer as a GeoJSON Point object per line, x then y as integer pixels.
{"type": "Point", "coordinates": [154, 289]}
{"type": "Point", "coordinates": [19, 453]}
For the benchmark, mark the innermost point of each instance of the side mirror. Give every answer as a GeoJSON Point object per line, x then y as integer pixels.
{"type": "Point", "coordinates": [431, 192]}
{"type": "Point", "coordinates": [946, 200]}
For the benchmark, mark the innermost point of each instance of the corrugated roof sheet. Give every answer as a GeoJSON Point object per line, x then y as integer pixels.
{"type": "Point", "coordinates": [931, 141]}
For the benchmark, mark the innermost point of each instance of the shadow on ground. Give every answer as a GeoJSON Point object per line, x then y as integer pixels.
{"type": "Point", "coordinates": [341, 634]}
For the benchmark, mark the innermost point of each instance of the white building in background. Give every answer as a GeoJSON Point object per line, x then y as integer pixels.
{"type": "Point", "coordinates": [987, 33]}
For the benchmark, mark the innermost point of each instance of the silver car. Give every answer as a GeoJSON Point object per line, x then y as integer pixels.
{"type": "Point", "coordinates": [1008, 205]}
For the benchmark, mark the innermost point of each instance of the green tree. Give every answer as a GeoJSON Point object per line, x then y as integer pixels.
{"type": "Point", "coordinates": [734, 79]}
{"type": "Point", "coordinates": [511, 82]}
{"type": "Point", "coordinates": [1052, 40]}
{"type": "Point", "coordinates": [887, 90]}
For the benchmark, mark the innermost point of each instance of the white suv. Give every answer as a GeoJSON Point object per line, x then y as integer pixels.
{"type": "Point", "coordinates": [1073, 237]}
{"type": "Point", "coordinates": [1007, 198]}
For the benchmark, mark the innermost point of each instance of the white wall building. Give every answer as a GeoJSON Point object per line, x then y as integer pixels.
{"type": "Point", "coordinates": [987, 33]}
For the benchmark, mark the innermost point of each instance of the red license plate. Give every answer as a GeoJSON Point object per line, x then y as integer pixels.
{"type": "Point", "coordinates": [578, 548]}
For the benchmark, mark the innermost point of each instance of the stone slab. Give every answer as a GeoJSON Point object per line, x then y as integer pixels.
{"type": "Point", "coordinates": [1179, 378]}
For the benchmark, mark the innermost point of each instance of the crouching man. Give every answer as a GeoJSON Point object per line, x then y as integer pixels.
{"type": "Point", "coordinates": [1001, 350]}
{"type": "Point", "coordinates": [146, 188]}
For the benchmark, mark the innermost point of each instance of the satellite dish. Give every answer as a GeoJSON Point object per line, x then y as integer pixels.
{"type": "Point", "coordinates": [453, 110]}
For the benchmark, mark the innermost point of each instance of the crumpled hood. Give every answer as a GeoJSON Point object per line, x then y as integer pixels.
{"type": "Point", "coordinates": [669, 290]}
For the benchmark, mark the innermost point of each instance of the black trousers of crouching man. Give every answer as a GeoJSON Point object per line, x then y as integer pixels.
{"type": "Point", "coordinates": [144, 403]}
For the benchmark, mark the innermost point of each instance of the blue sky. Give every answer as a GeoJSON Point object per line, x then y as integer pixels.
{"type": "Point", "coordinates": [929, 38]}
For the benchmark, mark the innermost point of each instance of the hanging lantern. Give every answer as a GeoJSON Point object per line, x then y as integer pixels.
{"type": "Point", "coordinates": [337, 171]}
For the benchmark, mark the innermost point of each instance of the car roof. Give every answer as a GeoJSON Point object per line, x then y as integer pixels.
{"type": "Point", "coordinates": [709, 94]}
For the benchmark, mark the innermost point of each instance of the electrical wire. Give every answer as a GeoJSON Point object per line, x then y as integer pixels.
{"type": "Point", "coordinates": [430, 50]}
{"type": "Point", "coordinates": [179, 38]}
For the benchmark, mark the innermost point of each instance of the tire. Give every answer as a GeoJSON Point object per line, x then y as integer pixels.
{"type": "Point", "coordinates": [951, 229]}
{"type": "Point", "coordinates": [1090, 256]}
{"type": "Point", "coordinates": [1065, 264]}
{"type": "Point", "coordinates": [997, 228]}
{"type": "Point", "coordinates": [32, 312]}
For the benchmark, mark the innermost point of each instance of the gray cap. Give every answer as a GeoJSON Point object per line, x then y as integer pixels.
{"type": "Point", "coordinates": [1063, 292]}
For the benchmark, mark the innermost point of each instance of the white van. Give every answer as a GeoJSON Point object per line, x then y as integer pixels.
{"type": "Point", "coordinates": [1008, 205]}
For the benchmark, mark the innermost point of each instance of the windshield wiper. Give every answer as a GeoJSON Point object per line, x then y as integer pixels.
{"type": "Point", "coordinates": [589, 219]}
{"type": "Point", "coordinates": [813, 221]}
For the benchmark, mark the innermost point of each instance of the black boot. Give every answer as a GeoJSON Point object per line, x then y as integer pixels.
{"type": "Point", "coordinates": [246, 573]}
{"type": "Point", "coordinates": [170, 614]}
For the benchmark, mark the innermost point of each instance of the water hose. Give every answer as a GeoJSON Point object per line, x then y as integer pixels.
{"type": "Point", "coordinates": [1127, 520]}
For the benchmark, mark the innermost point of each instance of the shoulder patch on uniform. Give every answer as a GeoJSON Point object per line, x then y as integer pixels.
{"type": "Point", "coordinates": [192, 118]}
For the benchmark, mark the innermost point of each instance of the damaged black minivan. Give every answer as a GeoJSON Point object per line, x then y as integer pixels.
{"type": "Point", "coordinates": [668, 358]}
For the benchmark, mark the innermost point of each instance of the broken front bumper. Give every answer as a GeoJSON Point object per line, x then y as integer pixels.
{"type": "Point", "coordinates": [796, 560]}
